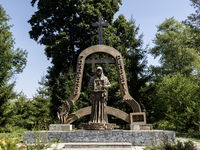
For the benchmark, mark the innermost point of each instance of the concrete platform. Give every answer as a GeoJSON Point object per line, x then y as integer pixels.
{"type": "Point", "coordinates": [136, 138]}
{"type": "Point", "coordinates": [98, 145]}
{"type": "Point", "coordinates": [97, 149]}
{"type": "Point", "coordinates": [61, 145]}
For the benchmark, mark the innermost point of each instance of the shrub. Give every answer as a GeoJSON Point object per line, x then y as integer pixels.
{"type": "Point", "coordinates": [10, 144]}
{"type": "Point", "coordinates": [188, 145]}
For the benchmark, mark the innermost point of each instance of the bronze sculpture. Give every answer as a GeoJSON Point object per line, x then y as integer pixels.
{"type": "Point", "coordinates": [98, 86]}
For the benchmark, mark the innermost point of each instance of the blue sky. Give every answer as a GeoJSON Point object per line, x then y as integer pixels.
{"type": "Point", "coordinates": [147, 14]}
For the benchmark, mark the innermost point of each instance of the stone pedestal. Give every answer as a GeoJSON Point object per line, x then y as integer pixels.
{"type": "Point", "coordinates": [136, 138]}
{"type": "Point", "coordinates": [137, 127]}
{"type": "Point", "coordinates": [61, 127]}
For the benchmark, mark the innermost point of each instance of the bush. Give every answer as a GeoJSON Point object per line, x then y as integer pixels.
{"type": "Point", "coordinates": [10, 144]}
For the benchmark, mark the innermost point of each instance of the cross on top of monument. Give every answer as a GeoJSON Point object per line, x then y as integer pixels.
{"type": "Point", "coordinates": [100, 25]}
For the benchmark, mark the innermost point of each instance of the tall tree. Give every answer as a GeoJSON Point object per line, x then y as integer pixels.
{"type": "Point", "coordinates": [175, 45]}
{"type": "Point", "coordinates": [12, 61]}
{"type": "Point", "coordinates": [42, 91]}
{"type": "Point", "coordinates": [65, 27]}
{"type": "Point", "coordinates": [193, 22]}
{"type": "Point", "coordinates": [129, 43]}
{"type": "Point", "coordinates": [22, 109]}
{"type": "Point", "coordinates": [196, 5]}
{"type": "Point", "coordinates": [40, 116]}
{"type": "Point", "coordinates": [175, 90]}
{"type": "Point", "coordinates": [40, 107]}
{"type": "Point", "coordinates": [178, 103]}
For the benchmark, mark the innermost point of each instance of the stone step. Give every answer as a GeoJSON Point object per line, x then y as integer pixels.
{"type": "Point", "coordinates": [98, 145]}
{"type": "Point", "coordinates": [98, 149]}
{"type": "Point", "coordinates": [61, 145]}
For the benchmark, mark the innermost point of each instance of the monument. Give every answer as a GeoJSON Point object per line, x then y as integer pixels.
{"type": "Point", "coordinates": [98, 87]}
{"type": "Point", "coordinates": [99, 129]}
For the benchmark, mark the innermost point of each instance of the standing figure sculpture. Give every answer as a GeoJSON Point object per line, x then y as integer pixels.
{"type": "Point", "coordinates": [98, 86]}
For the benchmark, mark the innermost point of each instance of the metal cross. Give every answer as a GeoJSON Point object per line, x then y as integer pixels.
{"type": "Point", "coordinates": [100, 25]}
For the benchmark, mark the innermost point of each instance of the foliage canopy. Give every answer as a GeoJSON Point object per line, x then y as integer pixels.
{"type": "Point", "coordinates": [12, 61]}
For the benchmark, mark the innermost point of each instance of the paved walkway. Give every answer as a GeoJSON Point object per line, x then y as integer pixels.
{"type": "Point", "coordinates": [61, 145]}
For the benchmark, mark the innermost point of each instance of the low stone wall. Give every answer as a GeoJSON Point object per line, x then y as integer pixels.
{"type": "Point", "coordinates": [136, 138]}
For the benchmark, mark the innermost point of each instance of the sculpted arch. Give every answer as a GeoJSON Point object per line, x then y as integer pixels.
{"type": "Point", "coordinates": [82, 60]}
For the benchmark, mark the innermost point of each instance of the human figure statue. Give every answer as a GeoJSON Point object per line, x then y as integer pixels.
{"type": "Point", "coordinates": [98, 86]}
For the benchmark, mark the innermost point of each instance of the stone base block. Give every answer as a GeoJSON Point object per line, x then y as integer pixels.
{"type": "Point", "coordinates": [139, 127]}
{"type": "Point", "coordinates": [136, 138]}
{"type": "Point", "coordinates": [61, 127]}
{"type": "Point", "coordinates": [98, 145]}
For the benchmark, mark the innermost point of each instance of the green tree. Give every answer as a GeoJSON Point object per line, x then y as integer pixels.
{"type": "Point", "coordinates": [43, 91]}
{"type": "Point", "coordinates": [149, 99]}
{"type": "Point", "coordinates": [133, 53]}
{"type": "Point", "coordinates": [65, 27]}
{"type": "Point", "coordinates": [12, 61]}
{"type": "Point", "coordinates": [134, 62]}
{"type": "Point", "coordinates": [40, 116]}
{"type": "Point", "coordinates": [22, 109]}
{"type": "Point", "coordinates": [196, 5]}
{"type": "Point", "coordinates": [40, 107]}
{"type": "Point", "coordinates": [193, 22]}
{"type": "Point", "coordinates": [177, 104]}
{"type": "Point", "coordinates": [174, 44]}
{"type": "Point", "coordinates": [174, 87]}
